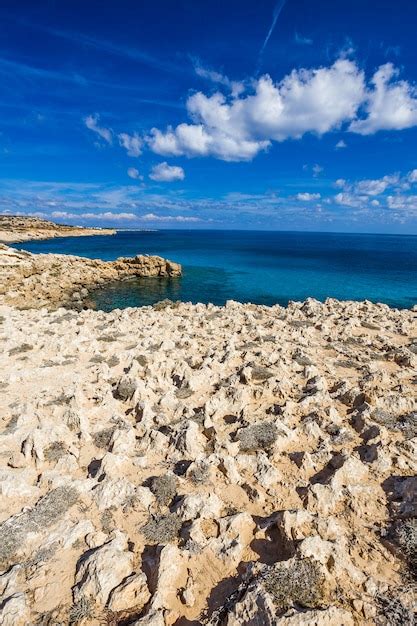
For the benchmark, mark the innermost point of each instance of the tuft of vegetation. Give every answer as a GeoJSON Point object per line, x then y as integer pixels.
{"type": "Point", "coordinates": [164, 488]}
{"type": "Point", "coordinates": [47, 511]}
{"type": "Point", "coordinates": [125, 390]}
{"type": "Point", "coordinates": [300, 583]}
{"type": "Point", "coordinates": [166, 304]}
{"type": "Point", "coordinates": [83, 609]}
{"type": "Point", "coordinates": [55, 451]}
{"type": "Point", "coordinates": [162, 529]}
{"type": "Point", "coordinates": [199, 472]}
{"type": "Point", "coordinates": [103, 437]}
{"type": "Point", "coordinates": [404, 534]}
{"type": "Point", "coordinates": [25, 347]}
{"type": "Point", "coordinates": [257, 437]}
{"type": "Point", "coordinates": [405, 424]}
{"type": "Point", "coordinates": [392, 612]}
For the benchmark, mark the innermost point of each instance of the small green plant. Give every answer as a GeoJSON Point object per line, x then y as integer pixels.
{"type": "Point", "coordinates": [83, 609]}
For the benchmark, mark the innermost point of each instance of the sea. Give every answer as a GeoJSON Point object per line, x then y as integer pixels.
{"type": "Point", "coordinates": [255, 266]}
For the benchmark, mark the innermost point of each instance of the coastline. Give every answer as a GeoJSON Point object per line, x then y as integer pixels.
{"type": "Point", "coordinates": [55, 280]}
{"type": "Point", "coordinates": [14, 229]}
{"type": "Point", "coordinates": [148, 455]}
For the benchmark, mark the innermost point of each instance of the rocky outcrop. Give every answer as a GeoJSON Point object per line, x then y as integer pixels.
{"type": "Point", "coordinates": [53, 280]}
{"type": "Point", "coordinates": [14, 229]}
{"type": "Point", "coordinates": [228, 466]}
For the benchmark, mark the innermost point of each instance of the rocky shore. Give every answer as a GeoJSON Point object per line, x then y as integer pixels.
{"type": "Point", "coordinates": [53, 280]}
{"type": "Point", "coordinates": [229, 466]}
{"type": "Point", "coordinates": [14, 229]}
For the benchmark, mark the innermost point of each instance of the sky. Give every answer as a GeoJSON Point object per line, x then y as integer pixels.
{"type": "Point", "coordinates": [222, 114]}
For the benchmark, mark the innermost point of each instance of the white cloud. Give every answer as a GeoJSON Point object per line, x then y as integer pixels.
{"type": "Point", "coordinates": [152, 217]}
{"type": "Point", "coordinates": [317, 170]}
{"type": "Point", "coordinates": [91, 121]}
{"type": "Point", "coordinates": [341, 144]}
{"type": "Point", "coordinates": [350, 200]}
{"type": "Point", "coordinates": [412, 176]}
{"type": "Point", "coordinates": [166, 173]}
{"type": "Point", "coordinates": [308, 197]}
{"type": "Point", "coordinates": [341, 183]}
{"type": "Point", "coordinates": [304, 101]}
{"type": "Point", "coordinates": [132, 143]}
{"type": "Point", "coordinates": [107, 215]}
{"type": "Point", "coordinates": [402, 203]}
{"type": "Point", "coordinates": [377, 186]}
{"type": "Point", "coordinates": [238, 127]}
{"type": "Point", "coordinates": [389, 105]}
{"type": "Point", "coordinates": [132, 172]}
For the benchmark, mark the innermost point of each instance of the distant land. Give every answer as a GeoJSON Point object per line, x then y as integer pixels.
{"type": "Point", "coordinates": [15, 228]}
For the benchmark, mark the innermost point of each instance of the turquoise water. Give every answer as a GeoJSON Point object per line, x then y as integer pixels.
{"type": "Point", "coordinates": [260, 267]}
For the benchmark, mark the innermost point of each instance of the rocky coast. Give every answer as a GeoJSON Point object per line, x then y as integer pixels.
{"type": "Point", "coordinates": [54, 280]}
{"type": "Point", "coordinates": [14, 229]}
{"type": "Point", "coordinates": [190, 464]}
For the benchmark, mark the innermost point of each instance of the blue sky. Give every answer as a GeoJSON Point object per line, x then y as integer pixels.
{"type": "Point", "coordinates": [221, 114]}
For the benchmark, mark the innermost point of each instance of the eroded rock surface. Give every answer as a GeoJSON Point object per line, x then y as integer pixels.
{"type": "Point", "coordinates": [53, 280]}
{"type": "Point", "coordinates": [228, 466]}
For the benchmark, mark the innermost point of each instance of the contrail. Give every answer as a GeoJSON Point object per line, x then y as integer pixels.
{"type": "Point", "coordinates": [277, 11]}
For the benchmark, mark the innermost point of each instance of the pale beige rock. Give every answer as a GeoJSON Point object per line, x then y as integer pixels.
{"type": "Point", "coordinates": [132, 593]}
{"type": "Point", "coordinates": [104, 570]}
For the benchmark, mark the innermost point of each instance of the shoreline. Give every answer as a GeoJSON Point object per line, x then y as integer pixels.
{"type": "Point", "coordinates": [16, 229]}
{"type": "Point", "coordinates": [54, 280]}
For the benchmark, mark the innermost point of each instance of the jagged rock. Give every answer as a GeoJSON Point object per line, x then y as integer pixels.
{"type": "Point", "coordinates": [102, 571]}
{"type": "Point", "coordinates": [131, 593]}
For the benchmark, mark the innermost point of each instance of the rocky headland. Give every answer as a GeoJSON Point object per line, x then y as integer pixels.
{"type": "Point", "coordinates": [14, 229]}
{"type": "Point", "coordinates": [52, 280]}
{"type": "Point", "coordinates": [228, 466]}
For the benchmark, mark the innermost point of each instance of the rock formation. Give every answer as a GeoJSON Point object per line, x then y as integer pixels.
{"type": "Point", "coordinates": [52, 280]}
{"type": "Point", "coordinates": [227, 466]}
{"type": "Point", "coordinates": [19, 228]}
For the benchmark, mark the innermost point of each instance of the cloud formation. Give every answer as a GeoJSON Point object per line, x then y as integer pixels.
{"type": "Point", "coordinates": [389, 104]}
{"type": "Point", "coordinates": [132, 172]}
{"type": "Point", "coordinates": [91, 121]}
{"type": "Point", "coordinates": [321, 100]}
{"type": "Point", "coordinates": [166, 173]}
{"type": "Point", "coordinates": [132, 144]}
{"type": "Point", "coordinates": [308, 197]}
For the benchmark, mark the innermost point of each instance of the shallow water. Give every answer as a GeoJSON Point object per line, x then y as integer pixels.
{"type": "Point", "coordinates": [260, 267]}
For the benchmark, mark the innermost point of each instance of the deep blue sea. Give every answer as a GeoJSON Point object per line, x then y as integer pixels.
{"type": "Point", "coordinates": [260, 267]}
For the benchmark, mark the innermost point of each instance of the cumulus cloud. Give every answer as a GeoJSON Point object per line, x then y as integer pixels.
{"type": "Point", "coordinates": [376, 186]}
{"type": "Point", "coordinates": [341, 144]}
{"type": "Point", "coordinates": [305, 101]}
{"type": "Point", "coordinates": [389, 104]}
{"type": "Point", "coordinates": [308, 197]}
{"type": "Point", "coordinates": [166, 173]}
{"type": "Point", "coordinates": [402, 203]}
{"type": "Point", "coordinates": [91, 121]}
{"type": "Point", "coordinates": [132, 143]}
{"type": "Point", "coordinates": [320, 100]}
{"type": "Point", "coordinates": [132, 172]}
